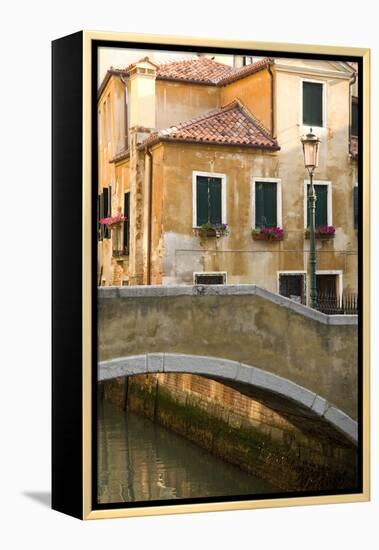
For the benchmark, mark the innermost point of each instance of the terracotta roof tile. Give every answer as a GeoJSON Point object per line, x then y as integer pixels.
{"type": "Point", "coordinates": [229, 125]}
{"type": "Point", "coordinates": [202, 70]}
{"type": "Point", "coordinates": [207, 71]}
{"type": "Point", "coordinates": [246, 71]}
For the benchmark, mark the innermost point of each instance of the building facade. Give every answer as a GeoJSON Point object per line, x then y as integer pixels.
{"type": "Point", "coordinates": [205, 161]}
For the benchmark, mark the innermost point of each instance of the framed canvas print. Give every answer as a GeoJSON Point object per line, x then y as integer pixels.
{"type": "Point", "coordinates": [210, 275]}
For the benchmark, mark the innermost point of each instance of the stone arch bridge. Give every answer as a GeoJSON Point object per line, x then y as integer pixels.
{"type": "Point", "coordinates": [267, 346]}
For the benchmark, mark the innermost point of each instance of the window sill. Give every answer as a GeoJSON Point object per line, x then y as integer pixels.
{"type": "Point", "coordinates": [260, 237]}
{"type": "Point", "coordinates": [211, 232]}
{"type": "Point", "coordinates": [120, 255]}
{"type": "Point", "coordinates": [317, 130]}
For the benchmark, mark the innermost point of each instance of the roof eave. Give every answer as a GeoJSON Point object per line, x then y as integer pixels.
{"type": "Point", "coordinates": [165, 139]}
{"type": "Point", "coordinates": [187, 80]}
{"type": "Point", "coordinates": [120, 157]}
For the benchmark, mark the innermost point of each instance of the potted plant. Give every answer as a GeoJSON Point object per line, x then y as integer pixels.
{"type": "Point", "coordinates": [265, 233]}
{"type": "Point", "coordinates": [213, 230]}
{"type": "Point", "coordinates": [322, 232]}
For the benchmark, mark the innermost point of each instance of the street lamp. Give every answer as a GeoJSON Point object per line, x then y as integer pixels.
{"type": "Point", "coordinates": [311, 149]}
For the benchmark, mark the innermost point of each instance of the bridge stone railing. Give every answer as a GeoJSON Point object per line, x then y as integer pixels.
{"type": "Point", "coordinates": [241, 323]}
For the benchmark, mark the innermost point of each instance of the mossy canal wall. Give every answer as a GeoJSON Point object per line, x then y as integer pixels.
{"type": "Point", "coordinates": [271, 444]}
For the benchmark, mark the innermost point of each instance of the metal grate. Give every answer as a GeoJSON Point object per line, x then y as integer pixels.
{"type": "Point", "coordinates": [211, 279]}
{"type": "Point", "coordinates": [333, 305]}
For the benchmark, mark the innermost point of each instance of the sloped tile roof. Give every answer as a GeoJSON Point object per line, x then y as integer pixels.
{"type": "Point", "coordinates": [207, 71]}
{"type": "Point", "coordinates": [229, 125]}
{"type": "Point", "coordinates": [202, 70]}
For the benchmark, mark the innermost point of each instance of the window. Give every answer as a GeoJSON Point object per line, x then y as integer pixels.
{"type": "Point", "coordinates": [323, 215]}
{"type": "Point", "coordinates": [292, 285]}
{"type": "Point", "coordinates": [356, 206]}
{"type": "Point", "coordinates": [266, 202]}
{"type": "Point", "coordinates": [99, 226]}
{"type": "Point", "coordinates": [126, 223]}
{"type": "Point", "coordinates": [312, 104]}
{"type": "Point", "coordinates": [209, 198]}
{"type": "Point", "coordinates": [100, 214]}
{"type": "Point", "coordinates": [354, 117]}
{"type": "Point", "coordinates": [210, 278]}
{"type": "Point", "coordinates": [327, 285]}
{"type": "Point", "coordinates": [106, 209]}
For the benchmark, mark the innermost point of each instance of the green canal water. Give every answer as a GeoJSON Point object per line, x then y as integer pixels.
{"type": "Point", "coordinates": [139, 460]}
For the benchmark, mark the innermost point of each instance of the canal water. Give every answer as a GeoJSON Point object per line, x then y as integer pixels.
{"type": "Point", "coordinates": [139, 460]}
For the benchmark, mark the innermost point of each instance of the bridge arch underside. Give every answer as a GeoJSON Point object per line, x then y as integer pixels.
{"type": "Point", "coordinates": [310, 412]}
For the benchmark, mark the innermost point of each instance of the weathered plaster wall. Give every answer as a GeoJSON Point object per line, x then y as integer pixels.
{"type": "Point", "coordinates": [106, 149]}
{"type": "Point", "coordinates": [339, 253]}
{"type": "Point", "coordinates": [254, 92]}
{"type": "Point", "coordinates": [245, 260]}
{"type": "Point", "coordinates": [266, 333]}
{"type": "Point", "coordinates": [177, 102]}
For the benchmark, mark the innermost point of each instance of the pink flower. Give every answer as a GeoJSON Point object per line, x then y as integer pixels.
{"type": "Point", "coordinates": [112, 220]}
{"type": "Point", "coordinates": [325, 229]}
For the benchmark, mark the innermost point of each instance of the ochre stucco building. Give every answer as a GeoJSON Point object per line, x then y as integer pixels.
{"type": "Point", "coordinates": [197, 142]}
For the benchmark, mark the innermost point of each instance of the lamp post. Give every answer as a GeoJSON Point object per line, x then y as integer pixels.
{"type": "Point", "coordinates": [311, 149]}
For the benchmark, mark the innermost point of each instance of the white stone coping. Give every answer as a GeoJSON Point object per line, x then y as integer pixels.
{"type": "Point", "coordinates": [233, 371]}
{"type": "Point", "coordinates": [160, 291]}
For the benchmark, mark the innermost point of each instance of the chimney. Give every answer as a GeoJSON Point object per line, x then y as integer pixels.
{"type": "Point", "coordinates": [142, 99]}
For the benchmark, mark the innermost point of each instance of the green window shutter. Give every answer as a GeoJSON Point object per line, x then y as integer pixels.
{"type": "Point", "coordinates": [101, 214]}
{"type": "Point", "coordinates": [98, 218]}
{"type": "Point", "coordinates": [126, 222]}
{"type": "Point", "coordinates": [259, 205]}
{"type": "Point", "coordinates": [312, 104]}
{"type": "Point", "coordinates": [270, 204]}
{"type": "Point", "coordinates": [321, 205]}
{"type": "Point", "coordinates": [265, 204]}
{"type": "Point", "coordinates": [321, 216]}
{"type": "Point", "coordinates": [202, 200]}
{"type": "Point", "coordinates": [356, 206]}
{"type": "Point", "coordinates": [214, 198]}
{"type": "Point", "coordinates": [106, 211]}
{"type": "Point", "coordinates": [354, 118]}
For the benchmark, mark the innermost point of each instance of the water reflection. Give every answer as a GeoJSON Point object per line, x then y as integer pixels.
{"type": "Point", "coordinates": [139, 460]}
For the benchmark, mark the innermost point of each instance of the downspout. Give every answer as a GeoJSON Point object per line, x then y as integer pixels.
{"type": "Point", "coordinates": [351, 82]}
{"type": "Point", "coordinates": [150, 214]}
{"type": "Point", "coordinates": [273, 129]}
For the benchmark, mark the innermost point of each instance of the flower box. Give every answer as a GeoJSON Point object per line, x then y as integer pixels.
{"type": "Point", "coordinates": [113, 222]}
{"type": "Point", "coordinates": [268, 234]}
{"type": "Point", "coordinates": [324, 232]}
{"type": "Point", "coordinates": [208, 230]}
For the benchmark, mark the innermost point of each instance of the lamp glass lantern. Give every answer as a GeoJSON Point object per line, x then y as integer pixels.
{"type": "Point", "coordinates": [311, 145]}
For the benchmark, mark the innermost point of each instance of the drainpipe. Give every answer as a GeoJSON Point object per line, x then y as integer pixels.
{"type": "Point", "coordinates": [273, 130]}
{"type": "Point", "coordinates": [149, 220]}
{"type": "Point", "coordinates": [351, 82]}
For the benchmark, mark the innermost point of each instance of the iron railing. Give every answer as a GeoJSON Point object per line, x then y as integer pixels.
{"type": "Point", "coordinates": [331, 304]}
